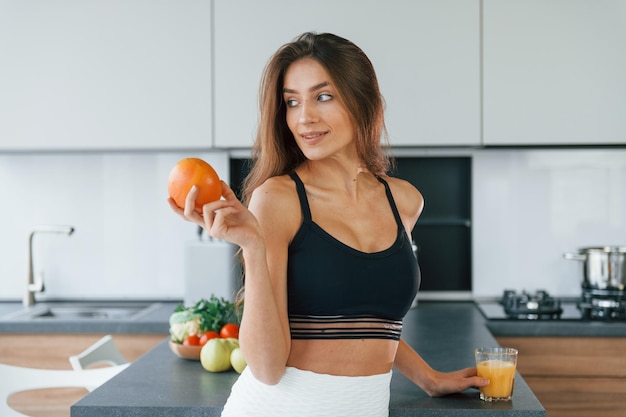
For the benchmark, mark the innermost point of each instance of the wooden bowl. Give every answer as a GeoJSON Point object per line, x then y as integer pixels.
{"type": "Point", "coordinates": [186, 352]}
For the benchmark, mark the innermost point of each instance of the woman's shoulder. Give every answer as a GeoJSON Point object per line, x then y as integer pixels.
{"type": "Point", "coordinates": [276, 207]}
{"type": "Point", "coordinates": [403, 186]}
{"type": "Point", "coordinates": [407, 197]}
{"type": "Point", "coordinates": [281, 186]}
{"type": "Point", "coordinates": [275, 195]}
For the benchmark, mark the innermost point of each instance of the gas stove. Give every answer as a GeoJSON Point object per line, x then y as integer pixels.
{"type": "Point", "coordinates": [607, 304]}
{"type": "Point", "coordinates": [539, 305]}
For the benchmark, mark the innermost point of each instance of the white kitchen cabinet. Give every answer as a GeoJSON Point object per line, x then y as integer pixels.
{"type": "Point", "coordinates": [105, 74]}
{"type": "Point", "coordinates": [554, 72]}
{"type": "Point", "coordinates": [426, 55]}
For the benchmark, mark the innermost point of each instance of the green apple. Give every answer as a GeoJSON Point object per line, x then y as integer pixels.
{"type": "Point", "coordinates": [237, 360]}
{"type": "Point", "coordinates": [215, 355]}
{"type": "Point", "coordinates": [232, 342]}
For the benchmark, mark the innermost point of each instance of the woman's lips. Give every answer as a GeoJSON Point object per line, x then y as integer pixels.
{"type": "Point", "coordinates": [312, 137]}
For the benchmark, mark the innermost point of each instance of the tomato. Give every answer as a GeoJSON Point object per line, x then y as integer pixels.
{"type": "Point", "coordinates": [229, 330]}
{"type": "Point", "coordinates": [194, 171]}
{"type": "Point", "coordinates": [192, 340]}
{"type": "Point", "coordinates": [208, 336]}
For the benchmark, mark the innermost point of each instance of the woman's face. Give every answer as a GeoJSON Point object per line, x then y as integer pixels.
{"type": "Point", "coordinates": [316, 114]}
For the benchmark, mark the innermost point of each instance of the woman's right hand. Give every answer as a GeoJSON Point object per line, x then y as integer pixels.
{"type": "Point", "coordinates": [227, 219]}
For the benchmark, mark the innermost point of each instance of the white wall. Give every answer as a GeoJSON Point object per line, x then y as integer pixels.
{"type": "Point", "coordinates": [127, 243]}
{"type": "Point", "coordinates": [531, 206]}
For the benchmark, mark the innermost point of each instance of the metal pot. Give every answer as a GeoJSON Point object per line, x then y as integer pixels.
{"type": "Point", "coordinates": [604, 268]}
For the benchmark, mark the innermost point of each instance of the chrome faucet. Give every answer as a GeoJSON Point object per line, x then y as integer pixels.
{"type": "Point", "coordinates": [32, 285]}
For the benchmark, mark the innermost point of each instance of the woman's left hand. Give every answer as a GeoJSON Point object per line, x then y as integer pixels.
{"type": "Point", "coordinates": [444, 383]}
{"type": "Point", "coordinates": [434, 383]}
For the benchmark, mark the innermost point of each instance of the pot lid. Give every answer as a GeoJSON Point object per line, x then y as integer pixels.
{"type": "Point", "coordinates": [604, 249]}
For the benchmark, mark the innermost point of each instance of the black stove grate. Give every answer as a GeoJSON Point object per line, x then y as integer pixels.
{"type": "Point", "coordinates": [607, 304]}
{"type": "Point", "coordinates": [525, 306]}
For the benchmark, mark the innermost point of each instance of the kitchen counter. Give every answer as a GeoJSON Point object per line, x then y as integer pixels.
{"type": "Point", "coordinates": [569, 325]}
{"type": "Point", "coordinates": [556, 328]}
{"type": "Point", "coordinates": [154, 320]}
{"type": "Point", "coordinates": [445, 334]}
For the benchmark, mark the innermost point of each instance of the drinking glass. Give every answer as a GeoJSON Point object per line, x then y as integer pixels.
{"type": "Point", "coordinates": [498, 365]}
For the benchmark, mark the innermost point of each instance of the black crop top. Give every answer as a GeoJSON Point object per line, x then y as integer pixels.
{"type": "Point", "coordinates": [337, 292]}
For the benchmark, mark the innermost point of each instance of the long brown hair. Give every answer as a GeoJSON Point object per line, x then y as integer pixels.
{"type": "Point", "coordinates": [275, 151]}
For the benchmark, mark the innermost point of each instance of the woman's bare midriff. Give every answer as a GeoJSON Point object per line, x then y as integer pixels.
{"type": "Point", "coordinates": [343, 357]}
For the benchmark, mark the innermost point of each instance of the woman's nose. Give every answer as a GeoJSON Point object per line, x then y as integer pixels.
{"type": "Point", "coordinates": [308, 113]}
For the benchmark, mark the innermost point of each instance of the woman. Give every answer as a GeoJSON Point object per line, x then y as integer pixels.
{"type": "Point", "coordinates": [329, 270]}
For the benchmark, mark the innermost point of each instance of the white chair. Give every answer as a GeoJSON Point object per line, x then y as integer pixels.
{"type": "Point", "coordinates": [16, 378]}
{"type": "Point", "coordinates": [103, 351]}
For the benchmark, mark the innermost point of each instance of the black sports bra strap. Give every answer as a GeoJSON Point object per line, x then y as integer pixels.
{"type": "Point", "coordinates": [304, 202]}
{"type": "Point", "coordinates": [392, 202]}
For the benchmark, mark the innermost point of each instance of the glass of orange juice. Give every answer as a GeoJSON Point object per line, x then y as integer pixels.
{"type": "Point", "coordinates": [497, 364]}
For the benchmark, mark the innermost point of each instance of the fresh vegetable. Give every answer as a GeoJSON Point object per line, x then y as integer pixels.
{"type": "Point", "coordinates": [229, 330]}
{"type": "Point", "coordinates": [208, 336]}
{"type": "Point", "coordinates": [191, 340]}
{"type": "Point", "coordinates": [202, 317]}
{"type": "Point", "coordinates": [182, 324]}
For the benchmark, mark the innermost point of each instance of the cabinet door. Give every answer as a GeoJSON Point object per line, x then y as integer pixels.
{"type": "Point", "coordinates": [426, 55]}
{"type": "Point", "coordinates": [105, 74]}
{"type": "Point", "coordinates": [572, 376]}
{"type": "Point", "coordinates": [554, 72]}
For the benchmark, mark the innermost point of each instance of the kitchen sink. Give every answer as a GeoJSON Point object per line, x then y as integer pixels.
{"type": "Point", "coordinates": [84, 310]}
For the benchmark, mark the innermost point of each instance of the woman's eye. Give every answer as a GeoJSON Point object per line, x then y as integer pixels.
{"type": "Point", "coordinates": [324, 97]}
{"type": "Point", "coordinates": [291, 102]}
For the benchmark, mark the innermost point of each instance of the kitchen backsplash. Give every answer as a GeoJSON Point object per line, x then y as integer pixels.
{"type": "Point", "coordinates": [127, 244]}
{"type": "Point", "coordinates": [528, 208]}
{"type": "Point", "coordinates": [531, 206]}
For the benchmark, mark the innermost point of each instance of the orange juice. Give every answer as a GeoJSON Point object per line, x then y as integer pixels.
{"type": "Point", "coordinates": [500, 374]}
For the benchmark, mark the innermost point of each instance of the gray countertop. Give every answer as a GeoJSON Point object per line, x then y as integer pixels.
{"type": "Point", "coordinates": [445, 334]}
{"type": "Point", "coordinates": [154, 320]}
{"type": "Point", "coordinates": [570, 324]}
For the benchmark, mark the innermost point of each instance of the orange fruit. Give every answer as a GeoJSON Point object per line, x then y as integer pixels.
{"type": "Point", "coordinates": [194, 171]}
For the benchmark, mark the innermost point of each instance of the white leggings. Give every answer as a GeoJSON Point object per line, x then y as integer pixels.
{"type": "Point", "coordinates": [309, 394]}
